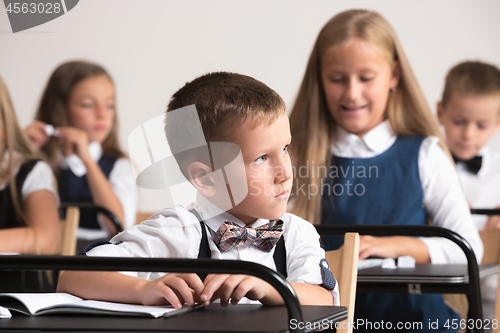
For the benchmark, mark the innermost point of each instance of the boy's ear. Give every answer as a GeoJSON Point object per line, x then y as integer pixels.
{"type": "Point", "coordinates": [440, 112]}
{"type": "Point", "coordinates": [199, 175]}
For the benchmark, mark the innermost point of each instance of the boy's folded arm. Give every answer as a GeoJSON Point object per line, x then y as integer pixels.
{"type": "Point", "coordinates": [311, 294]}
{"type": "Point", "coordinates": [105, 286]}
{"type": "Point", "coordinates": [173, 288]}
{"type": "Point", "coordinates": [308, 294]}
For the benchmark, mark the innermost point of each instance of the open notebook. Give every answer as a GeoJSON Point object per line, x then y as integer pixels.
{"type": "Point", "coordinates": [50, 303]}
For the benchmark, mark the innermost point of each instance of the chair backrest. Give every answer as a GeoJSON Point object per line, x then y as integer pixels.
{"type": "Point", "coordinates": [491, 242]}
{"type": "Point", "coordinates": [142, 216]}
{"type": "Point", "coordinates": [344, 266]}
{"type": "Point", "coordinates": [67, 231]}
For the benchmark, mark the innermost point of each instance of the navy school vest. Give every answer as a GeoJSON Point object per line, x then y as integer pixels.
{"type": "Point", "coordinates": [20, 281]}
{"type": "Point", "coordinates": [8, 217]}
{"type": "Point", "coordinates": [76, 189]}
{"type": "Point", "coordinates": [384, 189]}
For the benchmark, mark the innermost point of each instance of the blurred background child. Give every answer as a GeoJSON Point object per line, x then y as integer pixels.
{"type": "Point", "coordinates": [28, 199]}
{"type": "Point", "coordinates": [83, 148]}
{"type": "Point", "coordinates": [360, 108]}
{"type": "Point", "coordinates": [470, 114]}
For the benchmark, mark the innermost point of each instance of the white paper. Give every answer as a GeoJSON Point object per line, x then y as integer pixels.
{"type": "Point", "coordinates": [4, 313]}
{"type": "Point", "coordinates": [367, 263]}
{"type": "Point", "coordinates": [406, 262]}
{"type": "Point", "coordinates": [389, 263]}
{"type": "Point", "coordinates": [41, 303]}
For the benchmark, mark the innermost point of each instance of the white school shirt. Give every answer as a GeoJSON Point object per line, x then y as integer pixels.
{"type": "Point", "coordinates": [122, 182]}
{"type": "Point", "coordinates": [176, 233]}
{"type": "Point", "coordinates": [443, 198]}
{"type": "Point", "coordinates": [38, 179]}
{"type": "Point", "coordinates": [482, 190]}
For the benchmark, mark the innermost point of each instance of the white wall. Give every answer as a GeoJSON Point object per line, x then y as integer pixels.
{"type": "Point", "coordinates": [151, 48]}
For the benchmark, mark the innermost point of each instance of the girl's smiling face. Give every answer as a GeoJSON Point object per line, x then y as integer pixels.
{"type": "Point", "coordinates": [357, 80]}
{"type": "Point", "coordinates": [92, 107]}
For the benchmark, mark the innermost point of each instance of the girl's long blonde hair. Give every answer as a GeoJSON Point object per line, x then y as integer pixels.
{"type": "Point", "coordinates": [312, 125]}
{"type": "Point", "coordinates": [53, 108]}
{"type": "Point", "coordinates": [13, 141]}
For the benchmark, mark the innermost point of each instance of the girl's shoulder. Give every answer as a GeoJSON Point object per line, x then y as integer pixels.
{"type": "Point", "coordinates": [33, 167]}
{"type": "Point", "coordinates": [424, 144]}
{"type": "Point", "coordinates": [36, 175]}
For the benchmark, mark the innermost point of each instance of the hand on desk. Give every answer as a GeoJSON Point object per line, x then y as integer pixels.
{"type": "Point", "coordinates": [173, 288]}
{"type": "Point", "coordinates": [393, 247]}
{"type": "Point", "coordinates": [235, 287]}
{"type": "Point", "coordinates": [177, 289]}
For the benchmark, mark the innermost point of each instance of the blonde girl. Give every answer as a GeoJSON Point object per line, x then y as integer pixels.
{"type": "Point", "coordinates": [374, 155]}
{"type": "Point", "coordinates": [28, 199]}
{"type": "Point", "coordinates": [81, 144]}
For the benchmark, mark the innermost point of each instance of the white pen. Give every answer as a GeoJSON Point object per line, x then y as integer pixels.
{"type": "Point", "coordinates": [51, 130]}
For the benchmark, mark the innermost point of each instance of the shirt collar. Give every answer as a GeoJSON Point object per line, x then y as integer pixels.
{"type": "Point", "coordinates": [377, 140]}
{"type": "Point", "coordinates": [485, 153]}
{"type": "Point", "coordinates": [75, 164]}
{"type": "Point", "coordinates": [213, 216]}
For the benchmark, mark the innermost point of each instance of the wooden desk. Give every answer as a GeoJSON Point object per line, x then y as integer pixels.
{"type": "Point", "coordinates": [214, 318]}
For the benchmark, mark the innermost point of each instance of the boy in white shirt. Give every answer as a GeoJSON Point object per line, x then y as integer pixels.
{"type": "Point", "coordinates": [470, 114]}
{"type": "Point", "coordinates": [239, 213]}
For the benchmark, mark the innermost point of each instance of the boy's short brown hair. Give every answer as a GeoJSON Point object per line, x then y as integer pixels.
{"type": "Point", "coordinates": [223, 101]}
{"type": "Point", "coordinates": [471, 78]}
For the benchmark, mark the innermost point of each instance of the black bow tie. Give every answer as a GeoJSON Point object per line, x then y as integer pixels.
{"type": "Point", "coordinates": [473, 165]}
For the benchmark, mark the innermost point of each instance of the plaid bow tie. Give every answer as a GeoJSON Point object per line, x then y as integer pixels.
{"type": "Point", "coordinates": [231, 235]}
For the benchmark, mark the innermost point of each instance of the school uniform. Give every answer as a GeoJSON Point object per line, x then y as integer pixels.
{"type": "Point", "coordinates": [73, 187]}
{"type": "Point", "coordinates": [482, 190]}
{"type": "Point", "coordinates": [177, 233]}
{"type": "Point", "coordinates": [31, 176]}
{"type": "Point", "coordinates": [382, 178]}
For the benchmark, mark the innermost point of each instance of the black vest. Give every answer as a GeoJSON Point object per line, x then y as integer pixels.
{"type": "Point", "coordinates": [8, 216]}
{"type": "Point", "coordinates": [21, 281]}
{"type": "Point", "coordinates": [76, 190]}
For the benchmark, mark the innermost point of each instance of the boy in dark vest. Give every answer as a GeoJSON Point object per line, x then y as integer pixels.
{"type": "Point", "coordinates": [229, 134]}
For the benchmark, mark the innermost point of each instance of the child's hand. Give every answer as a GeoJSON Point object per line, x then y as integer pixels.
{"type": "Point", "coordinates": [234, 287]}
{"type": "Point", "coordinates": [173, 288]}
{"type": "Point", "coordinates": [36, 134]}
{"type": "Point", "coordinates": [382, 247]}
{"type": "Point", "coordinates": [74, 141]}
{"type": "Point", "coordinates": [393, 247]}
{"type": "Point", "coordinates": [493, 221]}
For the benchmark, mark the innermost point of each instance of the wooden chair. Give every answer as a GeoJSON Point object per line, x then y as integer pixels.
{"type": "Point", "coordinates": [344, 266]}
{"type": "Point", "coordinates": [142, 216]}
{"type": "Point", "coordinates": [491, 242]}
{"type": "Point", "coordinates": [67, 231]}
